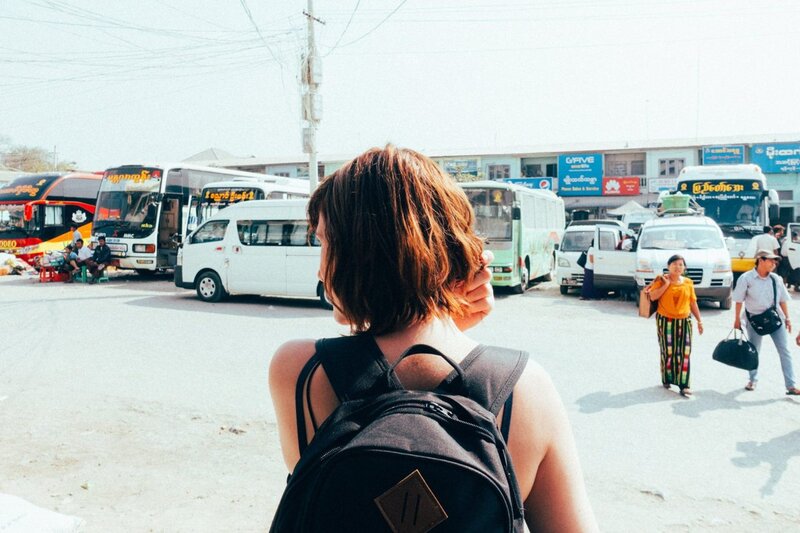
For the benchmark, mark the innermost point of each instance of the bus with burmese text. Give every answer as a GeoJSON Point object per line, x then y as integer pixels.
{"type": "Point", "coordinates": [221, 194]}
{"type": "Point", "coordinates": [521, 226]}
{"type": "Point", "coordinates": [145, 211]}
{"type": "Point", "coordinates": [736, 197]}
{"type": "Point", "coordinates": [36, 211]}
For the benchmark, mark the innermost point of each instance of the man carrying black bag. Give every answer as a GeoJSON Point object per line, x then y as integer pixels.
{"type": "Point", "coordinates": [764, 297]}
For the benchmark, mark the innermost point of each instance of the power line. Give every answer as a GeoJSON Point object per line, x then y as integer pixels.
{"type": "Point", "coordinates": [347, 26]}
{"type": "Point", "coordinates": [258, 30]}
{"type": "Point", "coordinates": [395, 10]}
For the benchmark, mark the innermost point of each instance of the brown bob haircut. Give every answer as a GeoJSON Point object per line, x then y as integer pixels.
{"type": "Point", "coordinates": [399, 240]}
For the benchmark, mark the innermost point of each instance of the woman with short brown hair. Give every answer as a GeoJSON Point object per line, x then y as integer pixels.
{"type": "Point", "coordinates": [398, 250]}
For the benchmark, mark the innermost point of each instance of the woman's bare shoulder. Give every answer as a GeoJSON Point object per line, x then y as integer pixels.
{"type": "Point", "coordinates": [289, 359]}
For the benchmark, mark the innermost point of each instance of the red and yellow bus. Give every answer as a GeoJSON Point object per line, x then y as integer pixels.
{"type": "Point", "coordinates": [37, 210]}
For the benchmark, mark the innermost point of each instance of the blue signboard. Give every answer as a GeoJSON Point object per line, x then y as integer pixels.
{"type": "Point", "coordinates": [532, 183]}
{"type": "Point", "coordinates": [776, 158]}
{"type": "Point", "coordinates": [723, 155]}
{"type": "Point", "coordinates": [580, 174]}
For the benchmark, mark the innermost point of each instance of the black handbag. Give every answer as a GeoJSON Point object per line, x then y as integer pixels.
{"type": "Point", "coordinates": [737, 352]}
{"type": "Point", "coordinates": [582, 260]}
{"type": "Point", "coordinates": [769, 321]}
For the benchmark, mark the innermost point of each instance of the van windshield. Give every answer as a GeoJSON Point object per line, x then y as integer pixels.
{"type": "Point", "coordinates": [577, 241]}
{"type": "Point", "coordinates": [681, 238]}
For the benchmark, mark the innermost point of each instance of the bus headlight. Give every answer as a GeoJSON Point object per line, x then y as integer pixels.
{"type": "Point", "coordinates": [563, 262]}
{"type": "Point", "coordinates": [144, 248]}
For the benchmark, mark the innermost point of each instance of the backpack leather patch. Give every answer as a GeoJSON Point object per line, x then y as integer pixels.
{"type": "Point", "coordinates": [411, 506]}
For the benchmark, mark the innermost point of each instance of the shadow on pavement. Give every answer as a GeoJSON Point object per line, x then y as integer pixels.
{"type": "Point", "coordinates": [709, 400]}
{"type": "Point", "coordinates": [775, 452]}
{"type": "Point", "coordinates": [253, 306]}
{"type": "Point", "coordinates": [598, 401]}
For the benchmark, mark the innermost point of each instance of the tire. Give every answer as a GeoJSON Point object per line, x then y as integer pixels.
{"type": "Point", "coordinates": [727, 303]}
{"type": "Point", "coordinates": [323, 297]}
{"type": "Point", "coordinates": [523, 281]}
{"type": "Point", "coordinates": [564, 290]}
{"type": "Point", "coordinates": [209, 287]}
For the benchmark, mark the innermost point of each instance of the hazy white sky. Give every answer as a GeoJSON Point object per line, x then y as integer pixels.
{"type": "Point", "coordinates": [109, 83]}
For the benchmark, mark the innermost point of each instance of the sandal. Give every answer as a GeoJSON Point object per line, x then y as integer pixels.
{"type": "Point", "coordinates": [666, 385]}
{"type": "Point", "coordinates": [794, 391]}
{"type": "Point", "coordinates": [750, 386]}
{"type": "Point", "coordinates": [686, 392]}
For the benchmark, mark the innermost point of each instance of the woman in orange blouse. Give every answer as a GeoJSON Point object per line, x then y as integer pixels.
{"type": "Point", "coordinates": [676, 303]}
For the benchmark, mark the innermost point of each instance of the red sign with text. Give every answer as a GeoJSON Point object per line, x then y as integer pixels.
{"type": "Point", "coordinates": [621, 186]}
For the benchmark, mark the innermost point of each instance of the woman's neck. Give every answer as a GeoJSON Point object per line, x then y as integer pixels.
{"type": "Point", "coordinates": [674, 277]}
{"type": "Point", "coordinates": [441, 333]}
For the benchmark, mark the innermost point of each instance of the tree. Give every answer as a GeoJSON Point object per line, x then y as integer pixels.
{"type": "Point", "coordinates": [29, 158]}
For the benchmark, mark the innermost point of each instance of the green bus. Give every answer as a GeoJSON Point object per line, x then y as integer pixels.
{"type": "Point", "coordinates": [521, 226]}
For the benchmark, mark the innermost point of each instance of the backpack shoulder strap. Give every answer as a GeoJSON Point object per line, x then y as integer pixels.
{"type": "Point", "coordinates": [490, 373]}
{"type": "Point", "coordinates": [354, 366]}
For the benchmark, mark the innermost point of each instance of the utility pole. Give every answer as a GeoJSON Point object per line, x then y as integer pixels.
{"type": "Point", "coordinates": [55, 158]}
{"type": "Point", "coordinates": [311, 100]}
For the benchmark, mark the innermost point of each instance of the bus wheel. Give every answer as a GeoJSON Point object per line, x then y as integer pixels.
{"type": "Point", "coordinates": [523, 281]}
{"type": "Point", "coordinates": [323, 296]}
{"type": "Point", "coordinates": [209, 287]}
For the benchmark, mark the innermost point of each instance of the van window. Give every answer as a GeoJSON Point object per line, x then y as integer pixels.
{"type": "Point", "coordinates": [607, 240]}
{"type": "Point", "coordinates": [576, 241]}
{"type": "Point", "coordinates": [680, 238]}
{"type": "Point", "coordinates": [210, 232]}
{"type": "Point", "coordinates": [274, 233]}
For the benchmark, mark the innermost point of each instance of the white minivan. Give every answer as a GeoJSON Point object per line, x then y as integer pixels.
{"type": "Point", "coordinates": [576, 240]}
{"type": "Point", "coordinates": [700, 241]}
{"type": "Point", "coordinates": [260, 247]}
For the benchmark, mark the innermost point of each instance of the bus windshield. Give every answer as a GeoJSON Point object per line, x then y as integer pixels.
{"type": "Point", "coordinates": [13, 224]}
{"type": "Point", "coordinates": [127, 204]}
{"type": "Point", "coordinates": [492, 209]}
{"type": "Point", "coordinates": [680, 238]}
{"type": "Point", "coordinates": [743, 208]}
{"type": "Point", "coordinates": [216, 198]}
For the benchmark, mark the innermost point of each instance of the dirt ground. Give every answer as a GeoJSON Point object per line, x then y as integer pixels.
{"type": "Point", "coordinates": [139, 408]}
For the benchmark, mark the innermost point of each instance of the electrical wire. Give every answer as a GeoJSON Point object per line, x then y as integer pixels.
{"type": "Point", "coordinates": [395, 10]}
{"type": "Point", "coordinates": [347, 26]}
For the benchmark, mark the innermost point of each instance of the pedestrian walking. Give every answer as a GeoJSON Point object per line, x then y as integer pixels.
{"type": "Point", "coordinates": [587, 288]}
{"type": "Point", "coordinates": [677, 301]}
{"type": "Point", "coordinates": [761, 293]}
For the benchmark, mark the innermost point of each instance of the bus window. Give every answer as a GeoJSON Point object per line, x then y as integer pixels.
{"type": "Point", "coordinates": [53, 215]}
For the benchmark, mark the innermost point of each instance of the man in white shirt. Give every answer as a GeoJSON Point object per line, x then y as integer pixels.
{"type": "Point", "coordinates": [84, 253]}
{"type": "Point", "coordinates": [767, 241]}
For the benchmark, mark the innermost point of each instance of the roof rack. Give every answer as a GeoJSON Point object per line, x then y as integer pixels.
{"type": "Point", "coordinates": [678, 204]}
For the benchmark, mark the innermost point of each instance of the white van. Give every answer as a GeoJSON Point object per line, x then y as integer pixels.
{"type": "Point", "coordinates": [576, 240]}
{"type": "Point", "coordinates": [260, 247]}
{"type": "Point", "coordinates": [700, 241]}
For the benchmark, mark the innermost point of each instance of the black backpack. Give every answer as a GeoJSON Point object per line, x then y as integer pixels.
{"type": "Point", "coordinates": [391, 459]}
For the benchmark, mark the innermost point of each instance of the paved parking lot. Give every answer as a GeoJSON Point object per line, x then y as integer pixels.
{"type": "Point", "coordinates": [139, 408]}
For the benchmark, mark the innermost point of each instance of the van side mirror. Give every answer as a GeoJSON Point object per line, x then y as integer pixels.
{"type": "Point", "coordinates": [556, 246]}
{"type": "Point", "coordinates": [516, 214]}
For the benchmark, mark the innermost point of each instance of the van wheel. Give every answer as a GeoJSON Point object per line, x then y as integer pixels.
{"type": "Point", "coordinates": [209, 287]}
{"type": "Point", "coordinates": [564, 290]}
{"type": "Point", "coordinates": [726, 303]}
{"type": "Point", "coordinates": [323, 297]}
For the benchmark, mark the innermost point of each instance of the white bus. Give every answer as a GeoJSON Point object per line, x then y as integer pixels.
{"type": "Point", "coordinates": [521, 226]}
{"type": "Point", "coordinates": [143, 211]}
{"type": "Point", "coordinates": [221, 194]}
{"type": "Point", "coordinates": [737, 199]}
